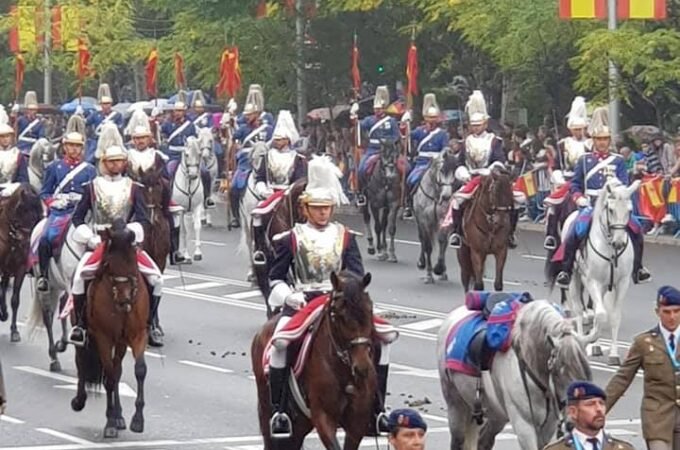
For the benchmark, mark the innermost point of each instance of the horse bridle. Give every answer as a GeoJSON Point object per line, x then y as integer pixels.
{"type": "Point", "coordinates": [343, 353]}
{"type": "Point", "coordinates": [607, 227]}
{"type": "Point", "coordinates": [126, 303]}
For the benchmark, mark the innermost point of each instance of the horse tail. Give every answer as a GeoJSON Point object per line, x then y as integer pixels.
{"type": "Point", "coordinates": [89, 365]}
{"type": "Point", "coordinates": [35, 316]}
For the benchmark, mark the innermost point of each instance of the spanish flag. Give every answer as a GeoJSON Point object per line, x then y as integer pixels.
{"type": "Point", "coordinates": [652, 204]}
{"type": "Point", "coordinates": [641, 9]}
{"type": "Point", "coordinates": [583, 9]}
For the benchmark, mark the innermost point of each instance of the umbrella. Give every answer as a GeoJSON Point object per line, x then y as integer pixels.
{"type": "Point", "coordinates": [325, 113]}
{"type": "Point", "coordinates": [87, 103]}
{"type": "Point", "coordinates": [643, 133]}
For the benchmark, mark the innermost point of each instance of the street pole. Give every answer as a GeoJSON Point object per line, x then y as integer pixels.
{"type": "Point", "coordinates": [613, 76]}
{"type": "Point", "coordinates": [47, 44]}
{"type": "Point", "coordinates": [300, 65]}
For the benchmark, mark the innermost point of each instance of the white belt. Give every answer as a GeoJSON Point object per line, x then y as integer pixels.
{"type": "Point", "coordinates": [593, 192]}
{"type": "Point", "coordinates": [27, 139]}
{"type": "Point", "coordinates": [314, 287]}
{"type": "Point", "coordinates": [176, 148]}
{"type": "Point", "coordinates": [374, 141]}
{"type": "Point", "coordinates": [428, 154]}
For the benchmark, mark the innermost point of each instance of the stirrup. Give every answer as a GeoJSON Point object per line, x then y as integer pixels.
{"type": "Point", "coordinates": [286, 423]}
{"type": "Point", "coordinates": [361, 200]}
{"type": "Point", "coordinates": [382, 424]}
{"type": "Point", "coordinates": [210, 203]}
{"type": "Point", "coordinates": [455, 240]}
{"type": "Point", "coordinates": [76, 342]}
{"type": "Point", "coordinates": [563, 284]}
{"type": "Point", "coordinates": [637, 279]}
{"type": "Point", "coordinates": [259, 258]}
{"type": "Point", "coordinates": [550, 243]}
{"type": "Point", "coordinates": [43, 285]}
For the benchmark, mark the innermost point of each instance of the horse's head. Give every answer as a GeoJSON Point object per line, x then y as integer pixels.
{"type": "Point", "coordinates": [152, 180]}
{"type": "Point", "coordinates": [119, 266]}
{"type": "Point", "coordinates": [205, 143]}
{"type": "Point", "coordinates": [613, 210]}
{"type": "Point", "coordinates": [24, 210]}
{"type": "Point", "coordinates": [496, 191]}
{"type": "Point", "coordinates": [446, 165]}
{"type": "Point", "coordinates": [389, 158]}
{"type": "Point", "coordinates": [191, 158]}
{"type": "Point", "coordinates": [351, 319]}
{"type": "Point", "coordinates": [42, 154]}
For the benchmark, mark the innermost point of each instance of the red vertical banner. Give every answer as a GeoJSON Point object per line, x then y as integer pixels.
{"type": "Point", "coordinates": [230, 73]}
{"type": "Point", "coordinates": [261, 10]}
{"type": "Point", "coordinates": [19, 76]}
{"type": "Point", "coordinates": [151, 72]}
{"type": "Point", "coordinates": [180, 80]}
{"type": "Point", "coordinates": [412, 73]}
{"type": "Point", "coordinates": [56, 27]}
{"type": "Point", "coordinates": [356, 74]}
{"type": "Point", "coordinates": [83, 64]}
{"type": "Point", "coordinates": [14, 31]}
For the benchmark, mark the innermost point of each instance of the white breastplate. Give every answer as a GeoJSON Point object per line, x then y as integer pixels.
{"type": "Point", "coordinates": [318, 253]}
{"type": "Point", "coordinates": [280, 167]}
{"type": "Point", "coordinates": [112, 200]}
{"type": "Point", "coordinates": [478, 150]}
{"type": "Point", "coordinates": [9, 162]}
{"type": "Point", "coordinates": [574, 149]}
{"type": "Point", "coordinates": [141, 161]}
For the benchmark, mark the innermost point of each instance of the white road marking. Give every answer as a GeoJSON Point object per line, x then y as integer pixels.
{"type": "Point", "coordinates": [536, 257]}
{"type": "Point", "coordinates": [124, 389]}
{"type": "Point", "coordinates": [212, 243]}
{"type": "Point", "coordinates": [402, 241]}
{"type": "Point", "coordinates": [12, 420]}
{"type": "Point", "coordinates": [199, 276]}
{"type": "Point", "coordinates": [169, 277]}
{"type": "Point", "coordinates": [509, 283]}
{"type": "Point", "coordinates": [200, 286]}
{"type": "Point", "coordinates": [65, 436]}
{"type": "Point", "coordinates": [245, 294]}
{"type": "Point", "coordinates": [205, 366]}
{"type": "Point", "coordinates": [423, 324]}
{"type": "Point", "coordinates": [149, 354]}
{"type": "Point", "coordinates": [403, 369]}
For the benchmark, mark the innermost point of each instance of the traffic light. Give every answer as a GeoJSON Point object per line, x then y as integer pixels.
{"type": "Point", "coordinates": [381, 69]}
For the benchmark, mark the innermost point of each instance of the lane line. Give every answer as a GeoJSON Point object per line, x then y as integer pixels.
{"type": "Point", "coordinates": [244, 295]}
{"type": "Point", "coordinates": [509, 283]}
{"type": "Point", "coordinates": [212, 243]}
{"type": "Point", "coordinates": [200, 286]}
{"type": "Point", "coordinates": [402, 241]}
{"type": "Point", "coordinates": [423, 324]}
{"type": "Point", "coordinates": [199, 276]}
{"type": "Point", "coordinates": [536, 257]}
{"type": "Point", "coordinates": [65, 436]}
{"type": "Point", "coordinates": [12, 420]}
{"type": "Point", "coordinates": [205, 366]}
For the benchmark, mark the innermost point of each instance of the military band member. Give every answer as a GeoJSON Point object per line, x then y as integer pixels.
{"type": "Point", "coordinates": [586, 408]}
{"type": "Point", "coordinates": [656, 353]}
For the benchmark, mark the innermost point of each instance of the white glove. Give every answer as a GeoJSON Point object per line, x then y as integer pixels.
{"type": "Point", "coordinates": [94, 241]}
{"type": "Point", "coordinates": [15, 108]}
{"type": "Point", "coordinates": [296, 300]}
{"type": "Point", "coordinates": [232, 106]}
{"type": "Point", "coordinates": [74, 197]}
{"type": "Point", "coordinates": [354, 109]}
{"type": "Point", "coordinates": [59, 203]}
{"type": "Point", "coordinates": [483, 172]}
{"type": "Point", "coordinates": [406, 117]}
{"type": "Point", "coordinates": [582, 202]}
{"type": "Point", "coordinates": [226, 118]}
{"type": "Point", "coordinates": [262, 189]}
{"type": "Point", "coordinates": [462, 174]}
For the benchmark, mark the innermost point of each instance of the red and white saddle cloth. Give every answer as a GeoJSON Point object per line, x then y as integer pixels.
{"type": "Point", "coordinates": [558, 196]}
{"type": "Point", "coordinates": [269, 204]}
{"type": "Point", "coordinates": [468, 190]}
{"type": "Point", "coordinates": [299, 324]}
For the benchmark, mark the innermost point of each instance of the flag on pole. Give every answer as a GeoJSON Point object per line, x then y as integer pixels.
{"type": "Point", "coordinates": [583, 9]}
{"type": "Point", "coordinates": [641, 9]}
{"type": "Point", "coordinates": [13, 37]}
{"type": "Point", "coordinates": [230, 73]}
{"type": "Point", "coordinates": [261, 10]}
{"type": "Point", "coordinates": [180, 81]}
{"type": "Point", "coordinates": [412, 73]}
{"type": "Point", "coordinates": [356, 75]}
{"type": "Point", "coordinates": [151, 71]}
{"type": "Point", "coordinates": [19, 75]}
{"type": "Point", "coordinates": [83, 67]}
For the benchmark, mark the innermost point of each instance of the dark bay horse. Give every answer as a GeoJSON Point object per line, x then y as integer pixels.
{"type": "Point", "coordinates": [117, 313]}
{"type": "Point", "coordinates": [339, 377]}
{"type": "Point", "coordinates": [383, 200]}
{"type": "Point", "coordinates": [486, 228]}
{"type": "Point", "coordinates": [19, 213]}
{"type": "Point", "coordinates": [286, 214]}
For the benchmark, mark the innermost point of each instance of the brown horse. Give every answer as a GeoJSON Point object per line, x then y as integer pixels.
{"type": "Point", "coordinates": [19, 213]}
{"type": "Point", "coordinates": [117, 313]}
{"type": "Point", "coordinates": [287, 213]}
{"type": "Point", "coordinates": [339, 378]}
{"type": "Point", "coordinates": [486, 227]}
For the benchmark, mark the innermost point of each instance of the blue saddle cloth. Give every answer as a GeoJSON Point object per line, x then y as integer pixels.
{"type": "Point", "coordinates": [458, 343]}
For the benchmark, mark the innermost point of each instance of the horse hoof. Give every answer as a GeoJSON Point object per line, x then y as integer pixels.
{"type": "Point", "coordinates": [4, 316]}
{"type": "Point", "coordinates": [443, 277]}
{"type": "Point", "coordinates": [110, 433]}
{"type": "Point", "coordinates": [137, 424]}
{"type": "Point", "coordinates": [420, 265]}
{"type": "Point", "coordinates": [120, 424]}
{"type": "Point", "coordinates": [428, 279]}
{"type": "Point", "coordinates": [78, 403]}
{"type": "Point", "coordinates": [596, 350]}
{"type": "Point", "coordinates": [371, 251]}
{"type": "Point", "coordinates": [198, 257]}
{"type": "Point", "coordinates": [382, 257]}
{"type": "Point", "coordinates": [392, 259]}
{"type": "Point", "coordinates": [15, 336]}
{"type": "Point", "coordinates": [439, 269]}
{"type": "Point", "coordinates": [250, 278]}
{"type": "Point", "coordinates": [55, 366]}
{"type": "Point", "coordinates": [60, 346]}
{"type": "Point", "coordinates": [614, 361]}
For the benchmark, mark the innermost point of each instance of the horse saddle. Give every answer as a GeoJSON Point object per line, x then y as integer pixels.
{"type": "Point", "coordinates": [371, 163]}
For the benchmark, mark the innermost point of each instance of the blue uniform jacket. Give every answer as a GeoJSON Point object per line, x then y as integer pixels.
{"type": "Point", "coordinates": [178, 140]}
{"type": "Point", "coordinates": [388, 129]}
{"type": "Point", "coordinates": [96, 118]}
{"type": "Point", "coordinates": [137, 213]}
{"type": "Point", "coordinates": [57, 171]}
{"type": "Point", "coordinates": [244, 132]}
{"type": "Point", "coordinates": [25, 142]}
{"type": "Point", "coordinates": [434, 145]}
{"type": "Point", "coordinates": [586, 163]}
{"type": "Point", "coordinates": [203, 120]}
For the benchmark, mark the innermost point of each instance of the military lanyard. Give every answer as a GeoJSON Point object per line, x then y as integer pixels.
{"type": "Point", "coordinates": [671, 355]}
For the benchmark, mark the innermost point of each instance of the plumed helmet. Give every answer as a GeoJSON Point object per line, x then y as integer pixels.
{"type": "Point", "coordinates": [476, 108]}
{"type": "Point", "coordinates": [285, 127]}
{"type": "Point", "coordinates": [323, 183]}
{"type": "Point", "coordinates": [104, 94]}
{"type": "Point", "coordinates": [599, 124]}
{"type": "Point", "coordinates": [198, 100]}
{"type": "Point", "coordinates": [254, 100]}
{"type": "Point", "coordinates": [578, 114]}
{"type": "Point", "coordinates": [382, 97]}
{"type": "Point", "coordinates": [430, 106]}
{"type": "Point", "coordinates": [114, 153]}
{"type": "Point", "coordinates": [6, 129]}
{"type": "Point", "coordinates": [109, 136]}
{"type": "Point", "coordinates": [31, 100]}
{"type": "Point", "coordinates": [73, 137]}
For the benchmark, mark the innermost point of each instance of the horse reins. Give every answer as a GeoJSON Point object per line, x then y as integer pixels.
{"type": "Point", "coordinates": [343, 353]}
{"type": "Point", "coordinates": [184, 167]}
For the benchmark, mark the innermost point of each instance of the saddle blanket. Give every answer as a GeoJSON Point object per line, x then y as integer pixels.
{"type": "Point", "coordinates": [55, 229]}
{"type": "Point", "coordinates": [558, 196]}
{"type": "Point", "coordinates": [269, 204]}
{"type": "Point", "coordinates": [458, 341]}
{"type": "Point", "coordinates": [298, 327]}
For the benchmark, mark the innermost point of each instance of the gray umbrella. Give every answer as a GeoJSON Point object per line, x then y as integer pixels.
{"type": "Point", "coordinates": [642, 133]}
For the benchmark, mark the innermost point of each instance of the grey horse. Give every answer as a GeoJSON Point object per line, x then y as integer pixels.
{"type": "Point", "coordinates": [430, 202]}
{"type": "Point", "coordinates": [551, 354]}
{"type": "Point", "coordinates": [42, 154]}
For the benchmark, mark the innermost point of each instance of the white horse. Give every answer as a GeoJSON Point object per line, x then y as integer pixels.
{"type": "Point", "coordinates": [41, 155]}
{"type": "Point", "coordinates": [187, 192]}
{"type": "Point", "coordinates": [525, 385]}
{"type": "Point", "coordinates": [48, 304]}
{"type": "Point", "coordinates": [603, 269]}
{"type": "Point", "coordinates": [249, 201]}
{"type": "Point", "coordinates": [206, 143]}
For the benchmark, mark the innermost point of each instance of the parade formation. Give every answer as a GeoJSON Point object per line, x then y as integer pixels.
{"type": "Point", "coordinates": [219, 245]}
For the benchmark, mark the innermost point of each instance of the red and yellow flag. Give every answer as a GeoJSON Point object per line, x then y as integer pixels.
{"type": "Point", "coordinates": [356, 75]}
{"type": "Point", "coordinates": [641, 9]}
{"type": "Point", "coordinates": [19, 75]}
{"type": "Point", "coordinates": [230, 73]}
{"type": "Point", "coordinates": [151, 72]}
{"type": "Point", "coordinates": [651, 201]}
{"type": "Point", "coordinates": [583, 9]}
{"type": "Point", "coordinates": [180, 80]}
{"type": "Point", "coordinates": [13, 37]}
{"type": "Point", "coordinates": [83, 67]}
{"type": "Point", "coordinates": [412, 69]}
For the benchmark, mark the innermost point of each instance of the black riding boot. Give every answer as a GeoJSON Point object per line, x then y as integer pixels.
{"type": "Point", "coordinates": [550, 242]}
{"type": "Point", "coordinates": [205, 180]}
{"type": "Point", "coordinates": [44, 255]}
{"type": "Point", "coordinates": [280, 425]}
{"type": "Point", "coordinates": [514, 218]}
{"type": "Point", "coordinates": [259, 242]}
{"type": "Point", "coordinates": [176, 257]}
{"type": "Point", "coordinates": [155, 335]}
{"type": "Point", "coordinates": [456, 239]}
{"type": "Point", "coordinates": [78, 335]}
{"type": "Point", "coordinates": [408, 208]}
{"type": "Point", "coordinates": [235, 201]}
{"type": "Point", "coordinates": [640, 273]}
{"type": "Point", "coordinates": [571, 247]}
{"type": "Point", "coordinates": [380, 424]}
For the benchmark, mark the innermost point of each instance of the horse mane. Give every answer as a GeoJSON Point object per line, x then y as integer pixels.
{"type": "Point", "coordinates": [205, 134]}
{"type": "Point", "coordinates": [500, 179]}
{"type": "Point", "coordinates": [355, 297]}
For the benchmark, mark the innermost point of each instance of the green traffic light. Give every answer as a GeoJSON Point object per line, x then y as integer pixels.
{"type": "Point", "coordinates": [381, 68]}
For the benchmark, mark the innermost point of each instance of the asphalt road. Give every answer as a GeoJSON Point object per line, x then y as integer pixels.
{"type": "Point", "coordinates": [200, 391]}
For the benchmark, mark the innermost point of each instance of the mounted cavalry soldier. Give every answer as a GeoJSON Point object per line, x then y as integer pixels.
{"type": "Point", "coordinates": [97, 119]}
{"type": "Point", "coordinates": [311, 251]}
{"type": "Point", "coordinates": [30, 126]}
{"type": "Point", "coordinates": [570, 149]}
{"type": "Point", "coordinates": [257, 127]}
{"type": "Point", "coordinates": [586, 409]}
{"type": "Point", "coordinates": [376, 128]}
{"type": "Point", "coordinates": [282, 166]}
{"type": "Point", "coordinates": [483, 150]}
{"type": "Point", "coordinates": [65, 183]}
{"type": "Point", "coordinates": [199, 117]}
{"type": "Point", "coordinates": [108, 197]}
{"type": "Point", "coordinates": [13, 166]}
{"type": "Point", "coordinates": [591, 172]}
{"type": "Point", "coordinates": [429, 140]}
{"type": "Point", "coordinates": [175, 131]}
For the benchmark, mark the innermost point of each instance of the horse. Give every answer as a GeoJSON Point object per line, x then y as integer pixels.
{"type": "Point", "coordinates": [19, 212]}
{"type": "Point", "coordinates": [340, 384]}
{"type": "Point", "coordinates": [430, 202]}
{"type": "Point", "coordinates": [41, 155]}
{"type": "Point", "coordinates": [383, 198]}
{"type": "Point", "coordinates": [117, 313]}
{"type": "Point", "coordinates": [187, 191]}
{"type": "Point", "coordinates": [209, 162]}
{"type": "Point", "coordinates": [486, 229]}
{"type": "Point", "coordinates": [603, 267]}
{"type": "Point", "coordinates": [3, 394]}
{"type": "Point", "coordinates": [525, 385]}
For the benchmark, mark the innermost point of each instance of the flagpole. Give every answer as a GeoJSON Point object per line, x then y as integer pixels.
{"type": "Point", "coordinates": [613, 76]}
{"type": "Point", "coordinates": [47, 43]}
